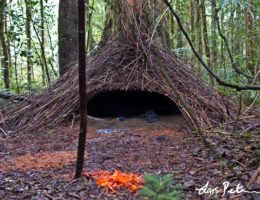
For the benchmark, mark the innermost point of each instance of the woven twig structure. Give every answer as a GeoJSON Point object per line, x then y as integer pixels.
{"type": "Point", "coordinates": [131, 61]}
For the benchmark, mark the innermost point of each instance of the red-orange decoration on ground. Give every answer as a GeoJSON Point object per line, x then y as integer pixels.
{"type": "Point", "coordinates": [117, 179]}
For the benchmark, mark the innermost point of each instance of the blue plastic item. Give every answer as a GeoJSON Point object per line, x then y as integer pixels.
{"type": "Point", "coordinates": [121, 118]}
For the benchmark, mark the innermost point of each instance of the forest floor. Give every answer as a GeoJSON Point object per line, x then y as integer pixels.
{"type": "Point", "coordinates": [41, 165]}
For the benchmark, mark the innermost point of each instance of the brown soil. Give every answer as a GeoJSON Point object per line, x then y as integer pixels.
{"type": "Point", "coordinates": [41, 165]}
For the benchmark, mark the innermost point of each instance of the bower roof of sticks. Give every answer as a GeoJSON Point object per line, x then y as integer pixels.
{"type": "Point", "coordinates": [132, 61]}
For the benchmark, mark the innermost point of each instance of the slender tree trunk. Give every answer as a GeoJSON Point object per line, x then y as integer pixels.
{"type": "Point", "coordinates": [205, 38]}
{"type": "Point", "coordinates": [179, 34]}
{"type": "Point", "coordinates": [198, 32]}
{"type": "Point", "coordinates": [82, 88]}
{"type": "Point", "coordinates": [214, 47]}
{"type": "Point", "coordinates": [257, 37]}
{"type": "Point", "coordinates": [192, 25]}
{"type": "Point", "coordinates": [8, 46]}
{"type": "Point", "coordinates": [162, 27]}
{"type": "Point", "coordinates": [172, 29]}
{"type": "Point", "coordinates": [232, 28]}
{"type": "Point", "coordinates": [52, 51]}
{"type": "Point", "coordinates": [15, 52]}
{"type": "Point", "coordinates": [44, 60]}
{"type": "Point", "coordinates": [29, 42]}
{"type": "Point", "coordinates": [222, 52]}
{"type": "Point", "coordinates": [249, 21]}
{"type": "Point", "coordinates": [89, 12]}
{"type": "Point", "coordinates": [238, 47]}
{"type": "Point", "coordinates": [192, 21]}
{"type": "Point", "coordinates": [5, 60]}
{"type": "Point", "coordinates": [42, 34]}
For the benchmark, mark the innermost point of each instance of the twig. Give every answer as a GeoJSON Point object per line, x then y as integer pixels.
{"type": "Point", "coordinates": [254, 178]}
{"type": "Point", "coordinates": [3, 131]}
{"type": "Point", "coordinates": [251, 105]}
{"type": "Point", "coordinates": [72, 121]}
{"type": "Point", "coordinates": [155, 28]}
{"type": "Point", "coordinates": [251, 128]}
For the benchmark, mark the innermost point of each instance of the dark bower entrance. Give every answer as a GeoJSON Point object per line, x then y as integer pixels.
{"type": "Point", "coordinates": [130, 103]}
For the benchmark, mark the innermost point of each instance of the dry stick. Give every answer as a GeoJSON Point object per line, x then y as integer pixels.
{"type": "Point", "coordinates": [254, 177]}
{"type": "Point", "coordinates": [251, 128]}
{"type": "Point", "coordinates": [3, 131]}
{"type": "Point", "coordinates": [220, 81]}
{"type": "Point", "coordinates": [155, 28]}
{"type": "Point", "coordinates": [15, 97]}
{"type": "Point", "coordinates": [224, 161]}
{"type": "Point", "coordinates": [251, 105]}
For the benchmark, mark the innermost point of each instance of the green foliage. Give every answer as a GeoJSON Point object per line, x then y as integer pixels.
{"type": "Point", "coordinates": [232, 23]}
{"type": "Point", "coordinates": [17, 42]}
{"type": "Point", "coordinates": [159, 188]}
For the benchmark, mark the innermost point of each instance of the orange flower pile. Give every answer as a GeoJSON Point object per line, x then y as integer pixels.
{"type": "Point", "coordinates": [118, 179]}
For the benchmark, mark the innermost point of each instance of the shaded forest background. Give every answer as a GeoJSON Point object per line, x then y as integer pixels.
{"type": "Point", "coordinates": [38, 39]}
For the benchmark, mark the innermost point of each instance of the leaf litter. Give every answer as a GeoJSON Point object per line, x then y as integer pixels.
{"type": "Point", "coordinates": [41, 166]}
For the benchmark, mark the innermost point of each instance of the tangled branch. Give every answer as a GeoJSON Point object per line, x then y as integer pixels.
{"type": "Point", "coordinates": [210, 71]}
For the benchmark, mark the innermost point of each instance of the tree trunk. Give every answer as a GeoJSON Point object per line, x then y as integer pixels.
{"type": "Point", "coordinates": [82, 88]}
{"type": "Point", "coordinates": [67, 31]}
{"type": "Point", "coordinates": [89, 12]}
{"type": "Point", "coordinates": [214, 47]}
{"type": "Point", "coordinates": [29, 42]}
{"type": "Point", "coordinates": [179, 34]}
{"type": "Point", "coordinates": [192, 28]}
{"type": "Point", "coordinates": [198, 32]}
{"type": "Point", "coordinates": [5, 59]}
{"type": "Point", "coordinates": [43, 43]}
{"type": "Point", "coordinates": [222, 50]}
{"type": "Point", "coordinates": [44, 60]}
{"type": "Point", "coordinates": [205, 38]}
{"type": "Point", "coordinates": [172, 29]}
{"type": "Point", "coordinates": [238, 51]}
{"type": "Point", "coordinates": [8, 45]}
{"type": "Point", "coordinates": [111, 23]}
{"type": "Point", "coordinates": [162, 26]}
{"type": "Point", "coordinates": [119, 20]}
{"type": "Point", "coordinates": [249, 21]}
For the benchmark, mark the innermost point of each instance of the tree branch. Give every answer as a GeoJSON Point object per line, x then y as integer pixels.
{"type": "Point", "coordinates": [219, 80]}
{"type": "Point", "coordinates": [233, 62]}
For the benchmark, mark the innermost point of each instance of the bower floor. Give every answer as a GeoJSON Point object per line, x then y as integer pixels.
{"type": "Point", "coordinates": [41, 165]}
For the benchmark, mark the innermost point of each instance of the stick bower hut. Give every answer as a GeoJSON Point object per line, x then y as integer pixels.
{"type": "Point", "coordinates": [132, 61]}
